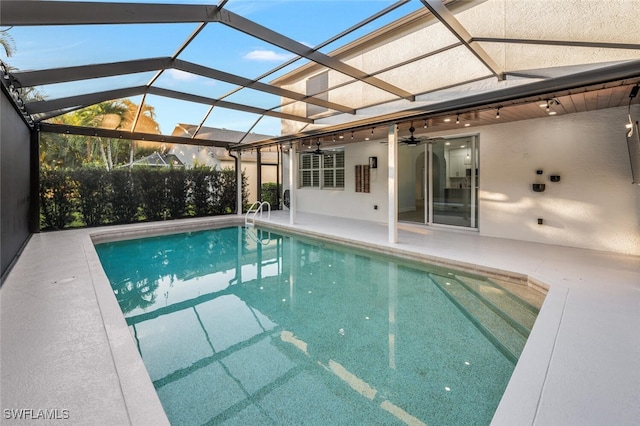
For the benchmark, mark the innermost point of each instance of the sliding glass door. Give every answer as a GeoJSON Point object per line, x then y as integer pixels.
{"type": "Point", "coordinates": [438, 182]}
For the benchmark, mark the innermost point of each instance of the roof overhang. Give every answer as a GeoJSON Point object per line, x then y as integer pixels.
{"type": "Point", "coordinates": [625, 73]}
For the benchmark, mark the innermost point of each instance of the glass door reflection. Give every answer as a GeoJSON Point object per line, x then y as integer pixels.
{"type": "Point", "coordinates": [453, 166]}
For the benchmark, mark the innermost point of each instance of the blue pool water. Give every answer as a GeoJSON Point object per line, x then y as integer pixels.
{"type": "Point", "coordinates": [246, 326]}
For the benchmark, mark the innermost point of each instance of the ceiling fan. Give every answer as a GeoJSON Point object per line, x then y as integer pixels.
{"type": "Point", "coordinates": [411, 140]}
{"type": "Point", "coordinates": [318, 151]}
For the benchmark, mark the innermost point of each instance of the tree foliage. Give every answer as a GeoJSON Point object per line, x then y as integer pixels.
{"type": "Point", "coordinates": [76, 150]}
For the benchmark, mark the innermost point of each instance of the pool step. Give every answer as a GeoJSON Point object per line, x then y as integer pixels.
{"type": "Point", "coordinates": [498, 314]}
{"type": "Point", "coordinates": [533, 296]}
{"type": "Point", "coordinates": [519, 313]}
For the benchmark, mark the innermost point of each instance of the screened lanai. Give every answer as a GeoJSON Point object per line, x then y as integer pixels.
{"type": "Point", "coordinates": [257, 67]}
{"type": "Point", "coordinates": [547, 85]}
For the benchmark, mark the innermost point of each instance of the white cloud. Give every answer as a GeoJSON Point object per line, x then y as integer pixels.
{"type": "Point", "coordinates": [181, 75]}
{"type": "Point", "coordinates": [267, 55]}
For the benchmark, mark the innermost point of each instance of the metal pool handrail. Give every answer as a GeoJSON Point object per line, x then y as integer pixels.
{"type": "Point", "coordinates": [255, 210]}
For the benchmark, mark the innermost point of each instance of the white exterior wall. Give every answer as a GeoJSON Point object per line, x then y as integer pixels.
{"type": "Point", "coordinates": [594, 206]}
{"type": "Point", "coordinates": [348, 202]}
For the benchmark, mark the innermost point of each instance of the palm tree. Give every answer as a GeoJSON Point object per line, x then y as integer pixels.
{"type": "Point", "coordinates": [7, 43]}
{"type": "Point", "coordinates": [118, 114]}
{"type": "Point", "coordinates": [146, 122]}
{"type": "Point", "coordinates": [103, 115]}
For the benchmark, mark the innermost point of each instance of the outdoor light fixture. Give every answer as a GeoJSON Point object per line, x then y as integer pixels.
{"type": "Point", "coordinates": [458, 119]}
{"type": "Point", "coordinates": [425, 123]}
{"type": "Point", "coordinates": [498, 113]}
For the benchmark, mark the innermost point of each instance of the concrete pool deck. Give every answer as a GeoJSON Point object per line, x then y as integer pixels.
{"type": "Point", "coordinates": [66, 352]}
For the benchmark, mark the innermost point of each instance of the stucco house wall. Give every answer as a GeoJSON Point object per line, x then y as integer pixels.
{"type": "Point", "coordinates": [594, 206]}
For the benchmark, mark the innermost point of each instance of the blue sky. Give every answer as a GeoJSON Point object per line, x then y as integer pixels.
{"type": "Point", "coordinates": [217, 46]}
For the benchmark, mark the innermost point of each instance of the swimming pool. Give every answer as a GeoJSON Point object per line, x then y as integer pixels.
{"type": "Point", "coordinates": [248, 326]}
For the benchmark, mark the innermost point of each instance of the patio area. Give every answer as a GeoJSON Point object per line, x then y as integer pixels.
{"type": "Point", "coordinates": [66, 347]}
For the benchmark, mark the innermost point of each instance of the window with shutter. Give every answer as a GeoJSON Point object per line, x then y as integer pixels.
{"type": "Point", "coordinates": [322, 171]}
{"type": "Point", "coordinates": [317, 86]}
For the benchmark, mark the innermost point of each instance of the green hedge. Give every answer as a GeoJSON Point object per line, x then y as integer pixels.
{"type": "Point", "coordinates": [270, 192]}
{"type": "Point", "coordinates": [91, 196]}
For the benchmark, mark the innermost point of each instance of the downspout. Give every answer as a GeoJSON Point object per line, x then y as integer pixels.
{"type": "Point", "coordinates": [238, 181]}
